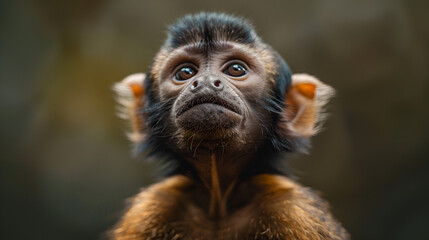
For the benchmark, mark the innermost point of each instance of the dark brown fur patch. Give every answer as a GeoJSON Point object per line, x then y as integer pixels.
{"type": "Point", "coordinates": [206, 29]}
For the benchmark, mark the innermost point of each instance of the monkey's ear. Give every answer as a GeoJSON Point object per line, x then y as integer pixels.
{"type": "Point", "coordinates": [130, 96]}
{"type": "Point", "coordinates": [305, 100]}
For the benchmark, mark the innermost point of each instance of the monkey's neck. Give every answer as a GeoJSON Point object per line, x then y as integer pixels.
{"type": "Point", "coordinates": [218, 198]}
{"type": "Point", "coordinates": [219, 172]}
{"type": "Point", "coordinates": [217, 207]}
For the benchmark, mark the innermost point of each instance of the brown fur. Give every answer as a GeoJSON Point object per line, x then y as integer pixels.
{"type": "Point", "coordinates": [279, 209]}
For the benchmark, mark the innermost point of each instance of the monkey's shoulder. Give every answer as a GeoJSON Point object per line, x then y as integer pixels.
{"type": "Point", "coordinates": [288, 210]}
{"type": "Point", "coordinates": [153, 210]}
{"type": "Point", "coordinates": [276, 208]}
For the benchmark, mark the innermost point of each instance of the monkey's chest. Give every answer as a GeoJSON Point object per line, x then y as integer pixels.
{"type": "Point", "coordinates": [195, 224]}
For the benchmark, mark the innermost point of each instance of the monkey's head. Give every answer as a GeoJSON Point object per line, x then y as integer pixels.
{"type": "Point", "coordinates": [215, 83]}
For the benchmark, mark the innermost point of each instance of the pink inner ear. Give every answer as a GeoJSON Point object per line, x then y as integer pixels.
{"type": "Point", "coordinates": [137, 89]}
{"type": "Point", "coordinates": [306, 89]}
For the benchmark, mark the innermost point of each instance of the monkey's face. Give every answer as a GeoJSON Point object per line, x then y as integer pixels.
{"type": "Point", "coordinates": [216, 83]}
{"type": "Point", "coordinates": [215, 93]}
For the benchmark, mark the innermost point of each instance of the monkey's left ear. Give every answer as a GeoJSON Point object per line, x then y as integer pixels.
{"type": "Point", "coordinates": [305, 100]}
{"type": "Point", "coordinates": [130, 96]}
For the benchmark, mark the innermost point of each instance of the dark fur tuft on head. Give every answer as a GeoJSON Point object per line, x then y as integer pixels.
{"type": "Point", "coordinates": [209, 28]}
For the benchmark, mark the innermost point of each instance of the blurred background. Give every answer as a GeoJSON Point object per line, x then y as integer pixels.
{"type": "Point", "coordinates": [66, 167]}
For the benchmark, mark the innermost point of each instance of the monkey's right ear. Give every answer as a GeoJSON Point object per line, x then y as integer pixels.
{"type": "Point", "coordinates": [130, 96]}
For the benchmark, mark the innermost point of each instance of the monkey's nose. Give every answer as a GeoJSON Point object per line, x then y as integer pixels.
{"type": "Point", "coordinates": [216, 84]}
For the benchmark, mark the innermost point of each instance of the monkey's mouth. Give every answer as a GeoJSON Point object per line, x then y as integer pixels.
{"type": "Point", "coordinates": [208, 99]}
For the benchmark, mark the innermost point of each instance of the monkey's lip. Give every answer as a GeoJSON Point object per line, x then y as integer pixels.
{"type": "Point", "coordinates": [207, 99]}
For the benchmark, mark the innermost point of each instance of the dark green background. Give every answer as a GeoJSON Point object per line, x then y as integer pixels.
{"type": "Point", "coordinates": [65, 163]}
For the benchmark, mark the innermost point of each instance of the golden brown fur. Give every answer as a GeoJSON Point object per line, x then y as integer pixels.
{"type": "Point", "coordinates": [279, 209]}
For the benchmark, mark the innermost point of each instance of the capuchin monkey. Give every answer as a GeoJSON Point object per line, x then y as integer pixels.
{"type": "Point", "coordinates": [222, 108]}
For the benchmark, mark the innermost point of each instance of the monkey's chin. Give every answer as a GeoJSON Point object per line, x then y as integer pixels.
{"type": "Point", "coordinates": [208, 118]}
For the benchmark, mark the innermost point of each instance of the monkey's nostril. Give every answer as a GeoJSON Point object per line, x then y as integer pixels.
{"type": "Point", "coordinates": [217, 84]}
{"type": "Point", "coordinates": [194, 86]}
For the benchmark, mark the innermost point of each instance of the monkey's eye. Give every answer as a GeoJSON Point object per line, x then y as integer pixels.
{"type": "Point", "coordinates": [236, 70]}
{"type": "Point", "coordinates": [185, 73]}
